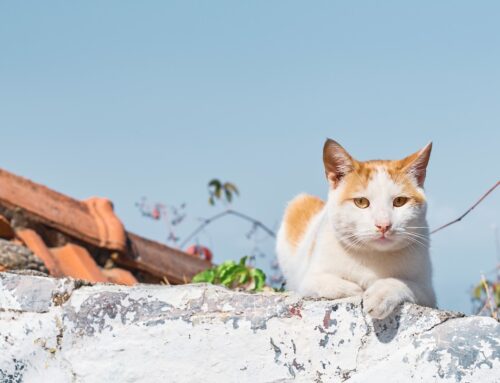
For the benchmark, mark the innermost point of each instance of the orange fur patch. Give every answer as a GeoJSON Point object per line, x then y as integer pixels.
{"type": "Point", "coordinates": [363, 171]}
{"type": "Point", "coordinates": [298, 214]}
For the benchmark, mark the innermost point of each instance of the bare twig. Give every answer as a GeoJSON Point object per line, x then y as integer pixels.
{"type": "Point", "coordinates": [254, 221]}
{"type": "Point", "coordinates": [488, 297]}
{"type": "Point", "coordinates": [216, 217]}
{"type": "Point", "coordinates": [469, 210]}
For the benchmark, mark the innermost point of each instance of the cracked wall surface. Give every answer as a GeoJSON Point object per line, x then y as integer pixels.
{"type": "Point", "coordinates": [58, 330]}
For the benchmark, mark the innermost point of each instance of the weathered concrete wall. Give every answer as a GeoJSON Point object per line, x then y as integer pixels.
{"type": "Point", "coordinates": [56, 331]}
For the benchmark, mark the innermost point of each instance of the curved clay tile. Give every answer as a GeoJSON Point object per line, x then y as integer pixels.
{"type": "Point", "coordinates": [120, 276]}
{"type": "Point", "coordinates": [110, 228]}
{"type": "Point", "coordinates": [35, 243]}
{"type": "Point", "coordinates": [92, 222]}
{"type": "Point", "coordinates": [76, 262]}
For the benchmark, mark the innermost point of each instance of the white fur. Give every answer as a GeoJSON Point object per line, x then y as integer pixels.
{"type": "Point", "coordinates": [347, 260]}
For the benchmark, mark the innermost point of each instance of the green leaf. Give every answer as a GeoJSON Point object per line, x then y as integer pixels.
{"type": "Point", "coordinates": [222, 269]}
{"type": "Point", "coordinates": [232, 188]}
{"type": "Point", "coordinates": [218, 192]}
{"type": "Point", "coordinates": [243, 260]}
{"type": "Point", "coordinates": [229, 196]}
{"type": "Point", "coordinates": [225, 265]}
{"type": "Point", "coordinates": [207, 276]}
{"type": "Point", "coordinates": [233, 275]}
{"type": "Point", "coordinates": [477, 291]}
{"type": "Point", "coordinates": [244, 277]}
{"type": "Point", "coordinates": [215, 183]}
{"type": "Point", "coordinates": [259, 279]}
{"type": "Point", "coordinates": [228, 275]}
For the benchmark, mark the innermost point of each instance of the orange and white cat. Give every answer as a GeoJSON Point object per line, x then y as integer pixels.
{"type": "Point", "coordinates": [369, 239]}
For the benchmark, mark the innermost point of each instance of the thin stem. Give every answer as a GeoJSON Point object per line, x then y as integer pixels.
{"type": "Point", "coordinates": [256, 222]}
{"type": "Point", "coordinates": [469, 210]}
{"type": "Point", "coordinates": [218, 216]}
{"type": "Point", "coordinates": [488, 297]}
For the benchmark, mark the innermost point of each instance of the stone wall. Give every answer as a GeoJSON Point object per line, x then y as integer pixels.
{"type": "Point", "coordinates": [58, 330]}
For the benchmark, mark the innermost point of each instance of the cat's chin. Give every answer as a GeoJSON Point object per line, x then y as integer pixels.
{"type": "Point", "coordinates": [386, 244]}
{"type": "Point", "coordinates": [377, 244]}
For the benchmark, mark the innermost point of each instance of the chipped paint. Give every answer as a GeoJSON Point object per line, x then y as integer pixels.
{"type": "Point", "coordinates": [61, 331]}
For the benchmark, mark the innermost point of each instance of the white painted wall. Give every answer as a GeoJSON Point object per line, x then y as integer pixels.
{"type": "Point", "coordinates": [55, 331]}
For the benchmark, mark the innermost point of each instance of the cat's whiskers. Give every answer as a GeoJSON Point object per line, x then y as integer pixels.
{"type": "Point", "coordinates": [415, 240]}
{"type": "Point", "coordinates": [417, 235]}
{"type": "Point", "coordinates": [416, 227]}
{"type": "Point", "coordinates": [412, 242]}
{"type": "Point", "coordinates": [405, 230]}
{"type": "Point", "coordinates": [355, 240]}
{"type": "Point", "coordinates": [356, 244]}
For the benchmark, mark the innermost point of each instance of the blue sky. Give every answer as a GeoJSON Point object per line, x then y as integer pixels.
{"type": "Point", "coordinates": [124, 99]}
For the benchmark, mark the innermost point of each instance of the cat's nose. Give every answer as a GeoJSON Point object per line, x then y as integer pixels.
{"type": "Point", "coordinates": [383, 227]}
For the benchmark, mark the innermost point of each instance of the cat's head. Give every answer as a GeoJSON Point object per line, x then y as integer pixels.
{"type": "Point", "coordinates": [377, 205]}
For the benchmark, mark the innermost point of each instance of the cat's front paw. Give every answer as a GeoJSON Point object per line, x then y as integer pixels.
{"type": "Point", "coordinates": [344, 289]}
{"type": "Point", "coordinates": [381, 298]}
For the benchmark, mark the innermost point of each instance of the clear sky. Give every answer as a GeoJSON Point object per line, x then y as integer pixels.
{"type": "Point", "coordinates": [130, 98]}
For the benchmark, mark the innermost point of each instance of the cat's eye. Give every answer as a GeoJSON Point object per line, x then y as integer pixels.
{"type": "Point", "coordinates": [399, 201]}
{"type": "Point", "coordinates": [361, 202]}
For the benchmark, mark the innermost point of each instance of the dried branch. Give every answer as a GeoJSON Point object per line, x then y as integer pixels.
{"type": "Point", "coordinates": [469, 210]}
{"type": "Point", "coordinates": [216, 217]}
{"type": "Point", "coordinates": [488, 297]}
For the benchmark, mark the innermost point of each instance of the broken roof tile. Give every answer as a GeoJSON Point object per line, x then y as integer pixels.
{"type": "Point", "coordinates": [120, 276]}
{"type": "Point", "coordinates": [35, 243]}
{"type": "Point", "coordinates": [84, 221]}
{"type": "Point", "coordinates": [76, 262]}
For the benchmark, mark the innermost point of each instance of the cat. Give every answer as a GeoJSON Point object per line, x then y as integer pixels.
{"type": "Point", "coordinates": [369, 239]}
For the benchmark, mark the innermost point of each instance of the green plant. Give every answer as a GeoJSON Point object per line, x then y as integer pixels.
{"type": "Point", "coordinates": [221, 191]}
{"type": "Point", "coordinates": [221, 196]}
{"type": "Point", "coordinates": [233, 275]}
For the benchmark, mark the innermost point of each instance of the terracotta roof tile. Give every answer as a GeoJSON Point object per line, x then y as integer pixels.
{"type": "Point", "coordinates": [120, 276]}
{"type": "Point", "coordinates": [35, 243]}
{"type": "Point", "coordinates": [76, 262]}
{"type": "Point", "coordinates": [6, 231]}
{"type": "Point", "coordinates": [93, 222]}
{"type": "Point", "coordinates": [110, 228]}
{"type": "Point", "coordinates": [160, 260]}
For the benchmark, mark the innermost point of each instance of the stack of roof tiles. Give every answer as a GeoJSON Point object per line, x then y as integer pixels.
{"type": "Point", "coordinates": [85, 239]}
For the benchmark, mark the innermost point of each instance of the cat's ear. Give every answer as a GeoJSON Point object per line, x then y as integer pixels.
{"type": "Point", "coordinates": [416, 164]}
{"type": "Point", "coordinates": [337, 162]}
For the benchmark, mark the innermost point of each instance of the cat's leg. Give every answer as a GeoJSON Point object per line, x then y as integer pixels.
{"type": "Point", "coordinates": [384, 295]}
{"type": "Point", "coordinates": [328, 286]}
